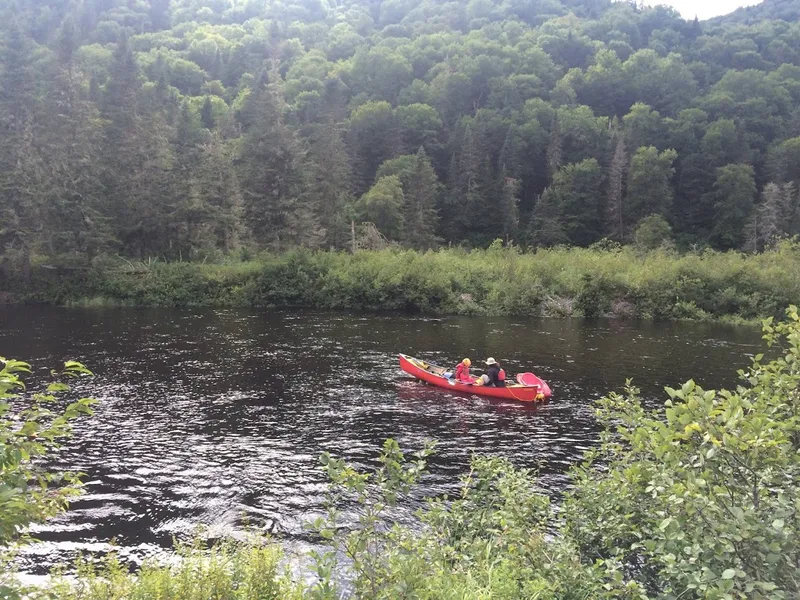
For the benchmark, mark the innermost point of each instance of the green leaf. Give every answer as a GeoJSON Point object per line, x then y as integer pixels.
{"type": "Point", "coordinates": [728, 573]}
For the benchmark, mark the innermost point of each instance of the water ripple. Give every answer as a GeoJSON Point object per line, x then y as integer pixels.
{"type": "Point", "coordinates": [217, 418]}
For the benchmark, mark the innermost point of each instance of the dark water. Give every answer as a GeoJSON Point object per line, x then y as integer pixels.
{"type": "Point", "coordinates": [218, 417]}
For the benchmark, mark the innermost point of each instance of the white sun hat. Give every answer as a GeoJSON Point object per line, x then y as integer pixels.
{"type": "Point", "coordinates": [491, 361]}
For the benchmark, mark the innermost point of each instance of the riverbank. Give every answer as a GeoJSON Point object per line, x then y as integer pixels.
{"type": "Point", "coordinates": [571, 282]}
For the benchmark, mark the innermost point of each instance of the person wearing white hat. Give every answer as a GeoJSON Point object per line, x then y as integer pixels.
{"type": "Point", "coordinates": [495, 375]}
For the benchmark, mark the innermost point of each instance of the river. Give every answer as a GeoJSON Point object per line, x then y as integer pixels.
{"type": "Point", "coordinates": [217, 417]}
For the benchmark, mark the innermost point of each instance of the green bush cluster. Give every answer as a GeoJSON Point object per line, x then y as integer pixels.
{"type": "Point", "coordinates": [497, 281]}
{"type": "Point", "coordinates": [248, 570]}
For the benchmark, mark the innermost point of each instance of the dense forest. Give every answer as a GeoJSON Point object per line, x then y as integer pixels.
{"type": "Point", "coordinates": [189, 129]}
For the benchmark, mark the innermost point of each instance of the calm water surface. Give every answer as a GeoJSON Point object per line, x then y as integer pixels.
{"type": "Point", "coordinates": [217, 417]}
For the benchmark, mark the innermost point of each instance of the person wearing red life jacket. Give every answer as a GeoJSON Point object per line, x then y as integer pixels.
{"type": "Point", "coordinates": [462, 371]}
{"type": "Point", "coordinates": [495, 375]}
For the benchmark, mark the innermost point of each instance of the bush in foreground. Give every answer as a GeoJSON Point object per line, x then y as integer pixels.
{"type": "Point", "coordinates": [32, 426]}
{"type": "Point", "coordinates": [228, 571]}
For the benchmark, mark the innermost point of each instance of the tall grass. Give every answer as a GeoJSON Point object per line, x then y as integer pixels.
{"type": "Point", "coordinates": [497, 281]}
{"type": "Point", "coordinates": [228, 571]}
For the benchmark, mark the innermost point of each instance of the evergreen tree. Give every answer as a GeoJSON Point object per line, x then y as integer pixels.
{"type": "Point", "coordinates": [271, 171]}
{"type": "Point", "coordinates": [785, 161]}
{"type": "Point", "coordinates": [615, 207]}
{"type": "Point", "coordinates": [207, 114]}
{"type": "Point", "coordinates": [69, 129]}
{"type": "Point", "coordinates": [477, 215]}
{"type": "Point", "coordinates": [189, 212]}
{"type": "Point", "coordinates": [554, 148]}
{"type": "Point", "coordinates": [545, 228]}
{"type": "Point", "coordinates": [421, 218]}
{"type": "Point", "coordinates": [509, 205]}
{"type": "Point", "coordinates": [734, 195]}
{"type": "Point", "coordinates": [122, 89]}
{"type": "Point", "coordinates": [20, 168]}
{"type": "Point", "coordinates": [576, 190]}
{"type": "Point", "coordinates": [330, 182]}
{"type": "Point", "coordinates": [649, 187]}
{"type": "Point", "coordinates": [768, 221]}
{"type": "Point", "coordinates": [468, 209]}
{"type": "Point", "coordinates": [217, 68]}
{"type": "Point", "coordinates": [372, 140]}
{"type": "Point", "coordinates": [137, 159]}
{"type": "Point", "coordinates": [220, 188]}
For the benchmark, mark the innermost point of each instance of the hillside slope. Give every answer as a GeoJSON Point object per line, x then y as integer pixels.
{"type": "Point", "coordinates": [786, 10]}
{"type": "Point", "coordinates": [189, 129]}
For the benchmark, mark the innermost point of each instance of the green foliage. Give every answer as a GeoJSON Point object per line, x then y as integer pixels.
{"type": "Point", "coordinates": [487, 541]}
{"type": "Point", "coordinates": [577, 190]}
{"type": "Point", "coordinates": [31, 427]}
{"type": "Point", "coordinates": [250, 570]}
{"type": "Point", "coordinates": [383, 206]}
{"type": "Point", "coordinates": [652, 232]}
{"type": "Point", "coordinates": [376, 494]}
{"type": "Point", "coordinates": [500, 281]}
{"type": "Point", "coordinates": [735, 192]}
{"type": "Point", "coordinates": [97, 155]}
{"type": "Point", "coordinates": [649, 190]}
{"type": "Point", "coordinates": [699, 500]}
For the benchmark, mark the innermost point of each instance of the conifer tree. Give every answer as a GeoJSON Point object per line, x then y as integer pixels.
{"type": "Point", "coordinates": [19, 165]}
{"type": "Point", "coordinates": [554, 148]}
{"type": "Point", "coordinates": [545, 227]}
{"type": "Point", "coordinates": [421, 217]}
{"type": "Point", "coordinates": [576, 190]}
{"type": "Point", "coordinates": [330, 179]}
{"type": "Point", "coordinates": [220, 189]}
{"type": "Point", "coordinates": [509, 205]}
{"type": "Point", "coordinates": [615, 208]}
{"type": "Point", "coordinates": [70, 141]}
{"type": "Point", "coordinates": [207, 114]}
{"type": "Point", "coordinates": [768, 221]}
{"type": "Point", "coordinates": [649, 185]}
{"type": "Point", "coordinates": [137, 159]}
{"type": "Point", "coordinates": [734, 194]}
{"type": "Point", "coordinates": [271, 173]}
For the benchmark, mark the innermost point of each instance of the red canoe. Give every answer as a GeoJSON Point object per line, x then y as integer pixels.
{"type": "Point", "coordinates": [530, 388]}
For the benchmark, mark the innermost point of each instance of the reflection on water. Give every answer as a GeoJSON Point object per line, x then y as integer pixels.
{"type": "Point", "coordinates": [218, 417]}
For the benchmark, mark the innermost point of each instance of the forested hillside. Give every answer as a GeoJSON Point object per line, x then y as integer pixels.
{"type": "Point", "coordinates": [191, 128]}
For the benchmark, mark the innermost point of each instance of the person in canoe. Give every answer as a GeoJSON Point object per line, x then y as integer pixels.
{"type": "Point", "coordinates": [495, 375]}
{"type": "Point", "coordinates": [462, 371]}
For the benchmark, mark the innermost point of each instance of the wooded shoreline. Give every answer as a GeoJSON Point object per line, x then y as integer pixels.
{"type": "Point", "coordinates": [560, 282]}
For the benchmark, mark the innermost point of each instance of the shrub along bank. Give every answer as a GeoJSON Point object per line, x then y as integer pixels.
{"type": "Point", "coordinates": [619, 282]}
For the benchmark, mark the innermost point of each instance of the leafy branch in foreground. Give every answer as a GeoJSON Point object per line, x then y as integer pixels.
{"type": "Point", "coordinates": [489, 541]}
{"type": "Point", "coordinates": [32, 427]}
{"type": "Point", "coordinates": [700, 500]}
